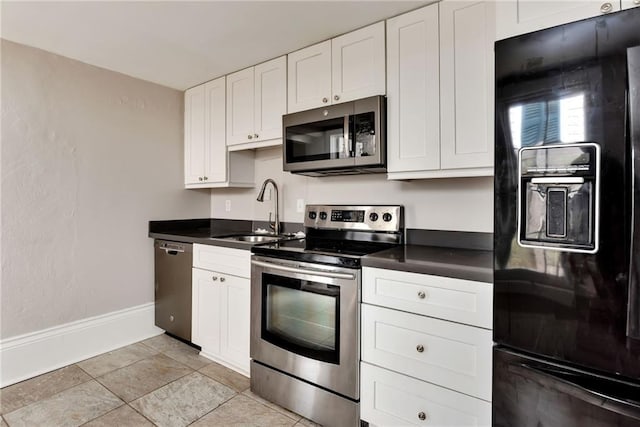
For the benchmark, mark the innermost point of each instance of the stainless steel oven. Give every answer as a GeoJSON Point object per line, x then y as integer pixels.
{"type": "Point", "coordinates": [306, 321]}
{"type": "Point", "coordinates": [305, 311]}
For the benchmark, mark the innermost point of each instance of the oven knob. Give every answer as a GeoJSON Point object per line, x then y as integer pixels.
{"type": "Point", "coordinates": [373, 216]}
{"type": "Point", "coordinates": [312, 215]}
{"type": "Point", "coordinates": [323, 215]}
{"type": "Point", "coordinates": [386, 217]}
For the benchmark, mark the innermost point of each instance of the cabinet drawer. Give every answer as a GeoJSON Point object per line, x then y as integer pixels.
{"type": "Point", "coordinates": [223, 260]}
{"type": "Point", "coordinates": [444, 353]}
{"type": "Point", "coordinates": [462, 301]}
{"type": "Point", "coordinates": [391, 399]}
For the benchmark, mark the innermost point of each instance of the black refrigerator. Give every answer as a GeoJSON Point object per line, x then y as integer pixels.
{"type": "Point", "coordinates": [567, 226]}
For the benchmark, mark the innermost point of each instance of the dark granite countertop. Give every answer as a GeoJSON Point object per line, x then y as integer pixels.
{"type": "Point", "coordinates": [462, 255]}
{"type": "Point", "coordinates": [469, 264]}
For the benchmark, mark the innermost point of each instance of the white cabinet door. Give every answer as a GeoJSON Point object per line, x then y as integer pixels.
{"type": "Point", "coordinates": [466, 84]}
{"type": "Point", "coordinates": [514, 17]}
{"type": "Point", "coordinates": [358, 64]}
{"type": "Point", "coordinates": [216, 148]}
{"type": "Point", "coordinates": [413, 91]}
{"type": "Point", "coordinates": [206, 297]}
{"type": "Point", "coordinates": [235, 314]}
{"type": "Point", "coordinates": [627, 4]}
{"type": "Point", "coordinates": [240, 107]}
{"type": "Point", "coordinates": [309, 77]}
{"type": "Point", "coordinates": [270, 98]}
{"type": "Point", "coordinates": [194, 135]}
{"type": "Point", "coordinates": [391, 399]}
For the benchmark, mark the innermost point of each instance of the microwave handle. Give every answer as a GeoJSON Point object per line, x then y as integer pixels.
{"type": "Point", "coordinates": [633, 115]}
{"type": "Point", "coordinates": [348, 140]}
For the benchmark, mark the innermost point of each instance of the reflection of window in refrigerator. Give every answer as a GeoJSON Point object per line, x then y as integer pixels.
{"type": "Point", "coordinates": [558, 120]}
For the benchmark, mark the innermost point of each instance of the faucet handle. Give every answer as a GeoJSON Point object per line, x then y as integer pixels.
{"type": "Point", "coordinates": [272, 225]}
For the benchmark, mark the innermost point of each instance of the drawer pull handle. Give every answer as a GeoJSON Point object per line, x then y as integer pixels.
{"type": "Point", "coordinates": [214, 278]}
{"type": "Point", "coordinates": [420, 348]}
{"type": "Point", "coordinates": [422, 295]}
{"type": "Point", "coordinates": [422, 416]}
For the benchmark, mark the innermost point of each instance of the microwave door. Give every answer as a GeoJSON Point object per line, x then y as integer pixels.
{"type": "Point", "coordinates": [317, 139]}
{"type": "Point", "coordinates": [633, 315]}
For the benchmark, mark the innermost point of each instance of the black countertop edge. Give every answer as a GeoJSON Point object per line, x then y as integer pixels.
{"type": "Point", "coordinates": [207, 231]}
{"type": "Point", "coordinates": [450, 239]}
{"type": "Point", "coordinates": [468, 264]}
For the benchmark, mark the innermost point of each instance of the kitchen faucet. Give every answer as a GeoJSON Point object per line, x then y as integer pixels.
{"type": "Point", "coordinates": [276, 225]}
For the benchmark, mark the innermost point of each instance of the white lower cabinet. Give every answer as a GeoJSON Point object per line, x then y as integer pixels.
{"type": "Point", "coordinates": [391, 399]}
{"type": "Point", "coordinates": [421, 364]}
{"type": "Point", "coordinates": [221, 305]}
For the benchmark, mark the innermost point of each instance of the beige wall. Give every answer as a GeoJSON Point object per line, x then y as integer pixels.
{"type": "Point", "coordinates": [89, 156]}
{"type": "Point", "coordinates": [464, 204]}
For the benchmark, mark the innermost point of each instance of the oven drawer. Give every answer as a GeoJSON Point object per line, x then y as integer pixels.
{"type": "Point", "coordinates": [223, 260]}
{"type": "Point", "coordinates": [445, 353]}
{"type": "Point", "coordinates": [388, 398]}
{"type": "Point", "coordinates": [462, 301]}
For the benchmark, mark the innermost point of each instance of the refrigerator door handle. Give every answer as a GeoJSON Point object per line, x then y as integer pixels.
{"type": "Point", "coordinates": [633, 114]}
{"type": "Point", "coordinates": [619, 405]}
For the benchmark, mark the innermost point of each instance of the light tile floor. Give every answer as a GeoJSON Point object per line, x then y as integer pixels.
{"type": "Point", "coordinates": [157, 382]}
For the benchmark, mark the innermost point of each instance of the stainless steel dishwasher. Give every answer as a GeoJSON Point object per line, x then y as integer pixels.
{"type": "Point", "coordinates": [173, 263]}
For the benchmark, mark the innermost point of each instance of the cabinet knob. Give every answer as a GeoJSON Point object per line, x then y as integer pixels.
{"type": "Point", "coordinates": [199, 178]}
{"type": "Point", "coordinates": [606, 7]}
{"type": "Point", "coordinates": [336, 97]}
{"type": "Point", "coordinates": [255, 135]}
{"type": "Point", "coordinates": [636, 2]}
{"type": "Point", "coordinates": [206, 178]}
{"type": "Point", "coordinates": [249, 136]}
{"type": "Point", "coordinates": [422, 295]}
{"type": "Point", "coordinates": [419, 348]}
{"type": "Point", "coordinates": [171, 318]}
{"type": "Point", "coordinates": [222, 279]}
{"type": "Point", "coordinates": [422, 416]}
{"type": "Point", "coordinates": [325, 100]}
{"type": "Point", "coordinates": [214, 278]}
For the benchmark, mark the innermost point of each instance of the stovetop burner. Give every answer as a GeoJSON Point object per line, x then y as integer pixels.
{"type": "Point", "coordinates": [341, 235]}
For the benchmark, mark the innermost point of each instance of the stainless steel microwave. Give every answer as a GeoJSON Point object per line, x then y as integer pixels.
{"type": "Point", "coordinates": [340, 139]}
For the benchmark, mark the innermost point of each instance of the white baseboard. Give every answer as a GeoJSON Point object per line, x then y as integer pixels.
{"type": "Point", "coordinates": [26, 356]}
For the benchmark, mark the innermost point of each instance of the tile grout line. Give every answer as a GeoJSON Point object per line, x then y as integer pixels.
{"type": "Point", "coordinates": [286, 415]}
{"type": "Point", "coordinates": [222, 403]}
{"type": "Point", "coordinates": [141, 414]}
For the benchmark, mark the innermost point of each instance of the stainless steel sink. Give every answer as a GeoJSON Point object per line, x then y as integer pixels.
{"type": "Point", "coordinates": [253, 238]}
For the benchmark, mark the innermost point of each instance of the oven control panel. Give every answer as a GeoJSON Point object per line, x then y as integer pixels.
{"type": "Point", "coordinates": [350, 217]}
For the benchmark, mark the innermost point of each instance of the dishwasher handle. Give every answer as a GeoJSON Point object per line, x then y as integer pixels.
{"type": "Point", "coordinates": [298, 270]}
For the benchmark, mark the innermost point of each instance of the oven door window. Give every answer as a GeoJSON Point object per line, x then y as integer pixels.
{"type": "Point", "coordinates": [301, 316]}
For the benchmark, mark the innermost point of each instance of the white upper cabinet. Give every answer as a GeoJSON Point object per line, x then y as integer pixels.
{"type": "Point", "coordinates": [466, 86]}
{"type": "Point", "coordinates": [515, 17]}
{"type": "Point", "coordinates": [194, 135]}
{"type": "Point", "coordinates": [207, 163]}
{"type": "Point", "coordinates": [345, 68]}
{"type": "Point", "coordinates": [357, 64]}
{"type": "Point", "coordinates": [440, 91]}
{"type": "Point", "coordinates": [256, 101]}
{"type": "Point", "coordinates": [270, 98]}
{"type": "Point", "coordinates": [413, 91]}
{"type": "Point", "coordinates": [627, 4]}
{"type": "Point", "coordinates": [309, 77]}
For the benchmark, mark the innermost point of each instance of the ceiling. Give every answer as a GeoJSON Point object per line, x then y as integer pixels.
{"type": "Point", "coordinates": [183, 43]}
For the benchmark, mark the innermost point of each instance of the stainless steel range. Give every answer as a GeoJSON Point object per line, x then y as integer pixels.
{"type": "Point", "coordinates": [305, 310]}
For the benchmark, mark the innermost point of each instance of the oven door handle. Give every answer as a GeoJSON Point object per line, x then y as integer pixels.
{"type": "Point", "coordinates": [322, 273]}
